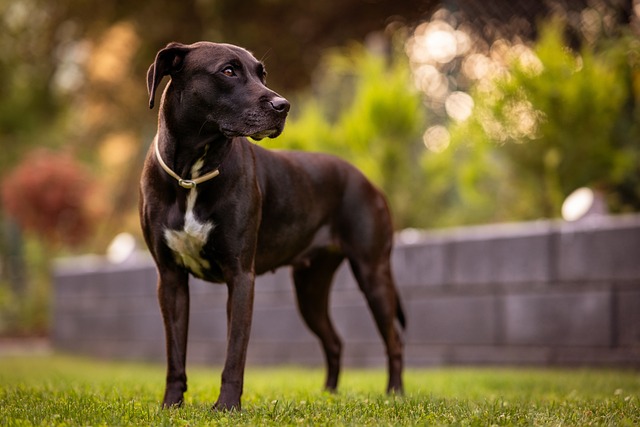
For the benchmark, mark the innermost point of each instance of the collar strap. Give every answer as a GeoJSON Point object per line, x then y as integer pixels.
{"type": "Point", "coordinates": [184, 183]}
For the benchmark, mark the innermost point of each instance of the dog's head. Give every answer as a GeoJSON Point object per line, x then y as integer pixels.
{"type": "Point", "coordinates": [220, 84]}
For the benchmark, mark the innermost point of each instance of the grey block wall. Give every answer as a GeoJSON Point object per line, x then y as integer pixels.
{"type": "Point", "coordinates": [542, 293]}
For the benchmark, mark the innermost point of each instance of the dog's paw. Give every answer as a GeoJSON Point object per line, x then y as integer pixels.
{"type": "Point", "coordinates": [226, 405]}
{"type": "Point", "coordinates": [172, 400]}
{"type": "Point", "coordinates": [395, 389]}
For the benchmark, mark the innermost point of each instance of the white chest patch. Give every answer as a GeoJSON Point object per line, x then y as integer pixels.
{"type": "Point", "coordinates": [187, 244]}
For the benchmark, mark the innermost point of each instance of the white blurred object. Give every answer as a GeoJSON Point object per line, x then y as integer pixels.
{"type": "Point", "coordinates": [583, 203]}
{"type": "Point", "coordinates": [409, 236]}
{"type": "Point", "coordinates": [121, 248]}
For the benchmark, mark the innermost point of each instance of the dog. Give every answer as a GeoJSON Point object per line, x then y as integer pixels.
{"type": "Point", "coordinates": [223, 209]}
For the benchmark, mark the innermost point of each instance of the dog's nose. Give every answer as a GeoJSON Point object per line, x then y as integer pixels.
{"type": "Point", "coordinates": [280, 104]}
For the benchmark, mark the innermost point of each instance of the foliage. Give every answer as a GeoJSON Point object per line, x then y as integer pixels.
{"type": "Point", "coordinates": [552, 122]}
{"type": "Point", "coordinates": [543, 130]}
{"type": "Point", "coordinates": [73, 75]}
{"type": "Point", "coordinates": [50, 194]}
{"type": "Point", "coordinates": [53, 199]}
{"type": "Point", "coordinates": [66, 391]}
{"type": "Point", "coordinates": [55, 202]}
{"type": "Point", "coordinates": [25, 302]}
{"type": "Point", "coordinates": [364, 110]}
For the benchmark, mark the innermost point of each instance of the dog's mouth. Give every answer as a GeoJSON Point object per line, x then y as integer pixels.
{"type": "Point", "coordinates": [253, 125]}
{"type": "Point", "coordinates": [253, 132]}
{"type": "Point", "coordinates": [269, 133]}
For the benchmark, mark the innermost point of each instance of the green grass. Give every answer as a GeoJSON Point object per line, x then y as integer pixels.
{"type": "Point", "coordinates": [57, 390]}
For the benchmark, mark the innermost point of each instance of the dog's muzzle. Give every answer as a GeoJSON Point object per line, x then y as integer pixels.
{"type": "Point", "coordinates": [265, 120]}
{"type": "Point", "coordinates": [278, 108]}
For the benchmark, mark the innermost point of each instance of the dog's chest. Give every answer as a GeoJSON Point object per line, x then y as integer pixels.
{"type": "Point", "coordinates": [188, 243]}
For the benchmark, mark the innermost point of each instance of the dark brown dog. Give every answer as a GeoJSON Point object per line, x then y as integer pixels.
{"type": "Point", "coordinates": [223, 209]}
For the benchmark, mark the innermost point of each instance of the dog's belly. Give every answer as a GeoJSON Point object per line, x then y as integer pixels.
{"type": "Point", "coordinates": [270, 257]}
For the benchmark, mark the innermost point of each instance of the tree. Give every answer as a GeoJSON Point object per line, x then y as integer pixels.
{"type": "Point", "coordinates": [52, 195]}
{"type": "Point", "coordinates": [554, 123]}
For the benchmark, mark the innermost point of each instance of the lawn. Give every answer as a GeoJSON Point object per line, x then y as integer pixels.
{"type": "Point", "coordinates": [61, 390]}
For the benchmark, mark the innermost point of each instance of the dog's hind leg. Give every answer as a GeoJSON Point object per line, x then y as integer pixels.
{"type": "Point", "coordinates": [366, 235]}
{"type": "Point", "coordinates": [312, 282]}
{"type": "Point", "coordinates": [376, 282]}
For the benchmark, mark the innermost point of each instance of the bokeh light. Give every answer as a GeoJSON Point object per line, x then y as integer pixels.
{"type": "Point", "coordinates": [436, 138]}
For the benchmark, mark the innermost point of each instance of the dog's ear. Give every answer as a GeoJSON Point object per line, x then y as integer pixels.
{"type": "Point", "coordinates": [168, 61]}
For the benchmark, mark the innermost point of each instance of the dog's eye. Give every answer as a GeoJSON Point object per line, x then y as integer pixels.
{"type": "Point", "coordinates": [229, 71]}
{"type": "Point", "coordinates": [262, 73]}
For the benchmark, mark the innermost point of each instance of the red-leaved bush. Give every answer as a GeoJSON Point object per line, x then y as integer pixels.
{"type": "Point", "coordinates": [49, 193]}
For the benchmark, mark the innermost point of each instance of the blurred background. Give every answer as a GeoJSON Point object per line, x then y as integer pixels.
{"type": "Point", "coordinates": [463, 112]}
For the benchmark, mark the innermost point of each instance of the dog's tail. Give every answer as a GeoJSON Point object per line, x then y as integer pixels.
{"type": "Point", "coordinates": [400, 312]}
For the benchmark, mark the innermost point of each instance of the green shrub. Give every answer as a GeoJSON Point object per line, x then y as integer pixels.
{"type": "Point", "coordinates": [539, 133]}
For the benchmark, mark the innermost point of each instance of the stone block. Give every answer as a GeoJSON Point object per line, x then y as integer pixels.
{"type": "Point", "coordinates": [208, 324]}
{"type": "Point", "coordinates": [64, 332]}
{"type": "Point", "coordinates": [496, 355]}
{"type": "Point", "coordinates": [364, 355]}
{"type": "Point", "coordinates": [628, 318]}
{"type": "Point", "coordinates": [129, 281]}
{"type": "Point", "coordinates": [354, 322]}
{"type": "Point", "coordinates": [502, 255]}
{"type": "Point", "coordinates": [446, 319]}
{"type": "Point", "coordinates": [278, 280]}
{"type": "Point", "coordinates": [273, 353]}
{"type": "Point", "coordinates": [205, 352]}
{"type": "Point", "coordinates": [555, 318]}
{"type": "Point", "coordinates": [421, 264]}
{"type": "Point", "coordinates": [142, 325]}
{"type": "Point", "coordinates": [421, 355]}
{"type": "Point", "coordinates": [108, 280]}
{"type": "Point", "coordinates": [603, 250]}
{"type": "Point", "coordinates": [597, 357]}
{"type": "Point", "coordinates": [343, 278]}
{"type": "Point", "coordinates": [279, 325]}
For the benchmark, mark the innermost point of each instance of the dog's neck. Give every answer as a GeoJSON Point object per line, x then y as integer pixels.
{"type": "Point", "coordinates": [202, 143]}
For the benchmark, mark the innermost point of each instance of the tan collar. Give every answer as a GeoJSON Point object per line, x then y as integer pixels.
{"type": "Point", "coordinates": [184, 183]}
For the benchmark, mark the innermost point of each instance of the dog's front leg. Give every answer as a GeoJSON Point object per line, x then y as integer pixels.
{"type": "Point", "coordinates": [239, 311]}
{"type": "Point", "coordinates": [173, 294]}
